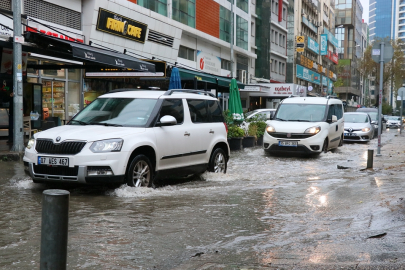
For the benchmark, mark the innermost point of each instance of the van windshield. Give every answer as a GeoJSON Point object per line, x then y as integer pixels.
{"type": "Point", "coordinates": [301, 112]}
{"type": "Point", "coordinates": [116, 112]}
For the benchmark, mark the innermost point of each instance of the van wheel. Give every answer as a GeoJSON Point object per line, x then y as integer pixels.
{"type": "Point", "coordinates": [140, 172]}
{"type": "Point", "coordinates": [325, 146]}
{"type": "Point", "coordinates": [217, 162]}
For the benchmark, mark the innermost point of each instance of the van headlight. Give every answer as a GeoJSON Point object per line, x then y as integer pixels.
{"type": "Point", "coordinates": [270, 129]}
{"type": "Point", "coordinates": [313, 130]}
{"type": "Point", "coordinates": [31, 143]}
{"type": "Point", "coordinates": [111, 145]}
{"type": "Point", "coordinates": [366, 129]}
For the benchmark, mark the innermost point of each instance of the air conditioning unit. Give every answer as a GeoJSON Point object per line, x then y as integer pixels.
{"type": "Point", "coordinates": [242, 76]}
{"type": "Point", "coordinates": [303, 12]}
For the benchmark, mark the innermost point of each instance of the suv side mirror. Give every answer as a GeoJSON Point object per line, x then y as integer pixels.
{"type": "Point", "coordinates": [334, 118]}
{"type": "Point", "coordinates": [167, 120]}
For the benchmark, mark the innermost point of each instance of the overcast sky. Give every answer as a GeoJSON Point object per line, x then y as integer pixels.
{"type": "Point", "coordinates": [365, 10]}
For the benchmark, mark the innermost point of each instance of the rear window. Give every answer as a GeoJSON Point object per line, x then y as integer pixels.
{"type": "Point", "coordinates": [204, 111]}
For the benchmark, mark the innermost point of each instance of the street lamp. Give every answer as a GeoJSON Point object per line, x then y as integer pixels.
{"type": "Point", "coordinates": [347, 86]}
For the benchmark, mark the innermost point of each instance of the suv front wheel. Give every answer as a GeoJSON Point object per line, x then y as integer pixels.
{"type": "Point", "coordinates": [217, 161]}
{"type": "Point", "coordinates": [140, 172]}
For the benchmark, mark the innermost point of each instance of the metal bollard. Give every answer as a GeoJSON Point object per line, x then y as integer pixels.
{"type": "Point", "coordinates": [370, 156]}
{"type": "Point", "coordinates": [54, 229]}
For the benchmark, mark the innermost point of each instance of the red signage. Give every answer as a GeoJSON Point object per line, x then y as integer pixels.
{"type": "Point", "coordinates": [280, 10]}
{"type": "Point", "coordinates": [49, 33]}
{"type": "Point", "coordinates": [333, 56]}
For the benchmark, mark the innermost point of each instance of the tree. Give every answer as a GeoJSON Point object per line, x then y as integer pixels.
{"type": "Point", "coordinates": [393, 70]}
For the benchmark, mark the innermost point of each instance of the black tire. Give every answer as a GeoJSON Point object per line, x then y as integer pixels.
{"type": "Point", "coordinates": [140, 172]}
{"type": "Point", "coordinates": [325, 146]}
{"type": "Point", "coordinates": [218, 161]}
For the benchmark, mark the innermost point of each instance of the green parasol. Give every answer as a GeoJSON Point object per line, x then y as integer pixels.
{"type": "Point", "coordinates": [235, 105]}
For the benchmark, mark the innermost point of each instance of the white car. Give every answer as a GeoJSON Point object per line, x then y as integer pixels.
{"type": "Point", "coordinates": [266, 114]}
{"type": "Point", "coordinates": [134, 137]}
{"type": "Point", "coordinates": [358, 127]}
{"type": "Point", "coordinates": [305, 125]}
{"type": "Point", "coordinates": [394, 122]}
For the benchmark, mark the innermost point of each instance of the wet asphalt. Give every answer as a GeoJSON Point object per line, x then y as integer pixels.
{"type": "Point", "coordinates": [327, 212]}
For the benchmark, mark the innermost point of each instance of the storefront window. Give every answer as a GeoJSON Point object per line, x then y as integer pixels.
{"type": "Point", "coordinates": [73, 99]}
{"type": "Point", "coordinates": [74, 74]}
{"type": "Point", "coordinates": [57, 73]}
{"type": "Point", "coordinates": [31, 71]}
{"type": "Point", "coordinates": [53, 98]}
{"type": "Point", "coordinates": [93, 88]}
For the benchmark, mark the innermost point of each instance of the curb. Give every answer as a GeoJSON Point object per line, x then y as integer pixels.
{"type": "Point", "coordinates": [11, 156]}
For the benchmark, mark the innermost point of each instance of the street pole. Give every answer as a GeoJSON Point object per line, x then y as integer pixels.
{"type": "Point", "coordinates": [402, 105]}
{"type": "Point", "coordinates": [232, 39]}
{"type": "Point", "coordinates": [18, 139]}
{"type": "Point", "coordinates": [380, 99]}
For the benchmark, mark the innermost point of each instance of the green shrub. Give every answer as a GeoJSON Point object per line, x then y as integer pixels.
{"type": "Point", "coordinates": [234, 131]}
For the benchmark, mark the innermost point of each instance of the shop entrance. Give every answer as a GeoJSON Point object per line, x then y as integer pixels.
{"type": "Point", "coordinates": [255, 103]}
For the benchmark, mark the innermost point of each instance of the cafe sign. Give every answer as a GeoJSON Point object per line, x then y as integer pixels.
{"type": "Point", "coordinates": [121, 26]}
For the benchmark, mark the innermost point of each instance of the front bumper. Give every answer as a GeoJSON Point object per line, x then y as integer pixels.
{"type": "Point", "coordinates": [360, 137]}
{"type": "Point", "coordinates": [310, 145]}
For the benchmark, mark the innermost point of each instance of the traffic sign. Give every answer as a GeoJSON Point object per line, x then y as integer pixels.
{"type": "Point", "coordinates": [376, 52]}
{"type": "Point", "coordinates": [300, 49]}
{"type": "Point", "coordinates": [401, 93]}
{"type": "Point", "coordinates": [300, 39]}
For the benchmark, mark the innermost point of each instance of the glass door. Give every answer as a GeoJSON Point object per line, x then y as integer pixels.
{"type": "Point", "coordinates": [53, 98]}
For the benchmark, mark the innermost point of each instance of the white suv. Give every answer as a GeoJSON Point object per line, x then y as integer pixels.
{"type": "Point", "coordinates": [306, 125]}
{"type": "Point", "coordinates": [134, 137]}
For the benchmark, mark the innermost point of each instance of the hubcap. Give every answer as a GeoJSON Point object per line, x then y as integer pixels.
{"type": "Point", "coordinates": [141, 174]}
{"type": "Point", "coordinates": [219, 163]}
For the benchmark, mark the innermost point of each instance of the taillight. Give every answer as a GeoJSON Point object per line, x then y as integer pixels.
{"type": "Point", "coordinates": [226, 127]}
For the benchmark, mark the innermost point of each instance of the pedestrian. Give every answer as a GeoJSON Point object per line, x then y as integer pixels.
{"type": "Point", "coordinates": [10, 100]}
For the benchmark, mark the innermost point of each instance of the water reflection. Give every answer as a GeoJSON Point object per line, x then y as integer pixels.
{"type": "Point", "coordinates": [315, 200]}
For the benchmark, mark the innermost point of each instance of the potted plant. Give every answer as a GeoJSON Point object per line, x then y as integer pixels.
{"type": "Point", "coordinates": [235, 133]}
{"type": "Point", "coordinates": [261, 128]}
{"type": "Point", "coordinates": [258, 123]}
{"type": "Point", "coordinates": [250, 136]}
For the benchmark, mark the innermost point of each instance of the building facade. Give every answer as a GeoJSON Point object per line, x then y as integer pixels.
{"type": "Point", "coordinates": [382, 18]}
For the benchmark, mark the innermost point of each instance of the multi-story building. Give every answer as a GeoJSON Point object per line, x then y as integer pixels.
{"type": "Point", "coordinates": [315, 64]}
{"type": "Point", "coordinates": [349, 34]}
{"type": "Point", "coordinates": [382, 18]}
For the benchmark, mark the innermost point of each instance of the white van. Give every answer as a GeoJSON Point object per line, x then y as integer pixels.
{"type": "Point", "coordinates": [305, 125]}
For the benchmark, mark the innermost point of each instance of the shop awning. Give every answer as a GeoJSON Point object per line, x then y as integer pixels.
{"type": "Point", "coordinates": [187, 74]}
{"type": "Point", "coordinates": [89, 54]}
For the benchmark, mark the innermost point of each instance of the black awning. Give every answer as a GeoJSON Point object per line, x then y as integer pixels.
{"type": "Point", "coordinates": [90, 54]}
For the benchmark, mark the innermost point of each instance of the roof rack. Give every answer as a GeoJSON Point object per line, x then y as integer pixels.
{"type": "Point", "coordinates": [130, 89]}
{"type": "Point", "coordinates": [169, 92]}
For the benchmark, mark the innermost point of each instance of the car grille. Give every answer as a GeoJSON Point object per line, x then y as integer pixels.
{"type": "Point", "coordinates": [48, 170]}
{"type": "Point", "coordinates": [291, 135]}
{"type": "Point", "coordinates": [46, 146]}
{"type": "Point", "coordinates": [353, 130]}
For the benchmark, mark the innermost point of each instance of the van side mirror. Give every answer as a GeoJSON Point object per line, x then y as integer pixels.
{"type": "Point", "coordinates": [334, 118]}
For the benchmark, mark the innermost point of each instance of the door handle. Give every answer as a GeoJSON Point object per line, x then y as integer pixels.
{"type": "Point", "coordinates": [186, 134]}
{"type": "Point", "coordinates": [211, 131]}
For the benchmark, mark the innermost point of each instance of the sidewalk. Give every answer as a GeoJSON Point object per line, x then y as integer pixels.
{"type": "Point", "coordinates": [6, 154]}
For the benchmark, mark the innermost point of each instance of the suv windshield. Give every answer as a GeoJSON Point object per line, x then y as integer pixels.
{"type": "Point", "coordinates": [116, 112]}
{"type": "Point", "coordinates": [355, 118]}
{"type": "Point", "coordinates": [301, 112]}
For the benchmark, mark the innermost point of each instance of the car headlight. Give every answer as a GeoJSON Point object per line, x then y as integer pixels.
{"type": "Point", "coordinates": [366, 129]}
{"type": "Point", "coordinates": [111, 145]}
{"type": "Point", "coordinates": [270, 129]}
{"type": "Point", "coordinates": [31, 143]}
{"type": "Point", "coordinates": [313, 130]}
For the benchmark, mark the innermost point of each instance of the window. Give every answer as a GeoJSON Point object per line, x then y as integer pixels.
{"type": "Point", "coordinates": [272, 36]}
{"type": "Point", "coordinates": [276, 37]}
{"type": "Point", "coordinates": [184, 11]}
{"type": "Point", "coordinates": [279, 68]}
{"type": "Point", "coordinates": [204, 111]}
{"type": "Point", "coordinates": [243, 5]}
{"type": "Point", "coordinates": [225, 24]}
{"type": "Point", "coordinates": [252, 29]}
{"type": "Point", "coordinates": [280, 38]}
{"type": "Point", "coordinates": [276, 11]}
{"type": "Point", "coordinates": [159, 6]}
{"type": "Point", "coordinates": [275, 66]}
{"type": "Point", "coordinates": [284, 41]}
{"type": "Point", "coordinates": [241, 32]}
{"type": "Point", "coordinates": [225, 64]}
{"type": "Point", "coordinates": [173, 107]}
{"type": "Point", "coordinates": [272, 65]}
{"type": "Point", "coordinates": [187, 53]}
{"type": "Point", "coordinates": [284, 14]}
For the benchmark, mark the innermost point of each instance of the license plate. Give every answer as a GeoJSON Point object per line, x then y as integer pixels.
{"type": "Point", "coordinates": [350, 134]}
{"type": "Point", "coordinates": [55, 161]}
{"type": "Point", "coordinates": [288, 143]}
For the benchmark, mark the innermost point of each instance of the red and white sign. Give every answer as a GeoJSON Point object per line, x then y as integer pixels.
{"type": "Point", "coordinates": [69, 35]}
{"type": "Point", "coordinates": [333, 56]}
{"type": "Point", "coordinates": [281, 90]}
{"type": "Point", "coordinates": [208, 63]}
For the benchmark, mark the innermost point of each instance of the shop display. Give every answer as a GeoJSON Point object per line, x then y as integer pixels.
{"type": "Point", "coordinates": [54, 100]}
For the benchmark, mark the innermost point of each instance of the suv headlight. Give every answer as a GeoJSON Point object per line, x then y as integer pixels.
{"type": "Point", "coordinates": [313, 130]}
{"type": "Point", "coordinates": [111, 145]}
{"type": "Point", "coordinates": [31, 143]}
{"type": "Point", "coordinates": [366, 129]}
{"type": "Point", "coordinates": [270, 129]}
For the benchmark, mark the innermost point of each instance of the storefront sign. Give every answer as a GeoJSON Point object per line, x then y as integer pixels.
{"type": "Point", "coordinates": [335, 58]}
{"type": "Point", "coordinates": [124, 74]}
{"type": "Point", "coordinates": [7, 62]}
{"type": "Point", "coordinates": [121, 26]}
{"type": "Point", "coordinates": [313, 45]}
{"type": "Point", "coordinates": [324, 80]}
{"type": "Point", "coordinates": [208, 63]}
{"type": "Point", "coordinates": [330, 85]}
{"type": "Point", "coordinates": [308, 75]}
{"type": "Point", "coordinates": [324, 44]}
{"type": "Point", "coordinates": [39, 28]}
{"type": "Point", "coordinates": [277, 90]}
{"type": "Point", "coordinates": [6, 26]}
{"type": "Point", "coordinates": [255, 88]}
{"type": "Point", "coordinates": [331, 38]}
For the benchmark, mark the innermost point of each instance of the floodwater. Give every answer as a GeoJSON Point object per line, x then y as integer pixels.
{"type": "Point", "coordinates": [266, 212]}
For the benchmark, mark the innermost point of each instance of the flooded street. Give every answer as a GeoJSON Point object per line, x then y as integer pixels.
{"type": "Point", "coordinates": [281, 212]}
